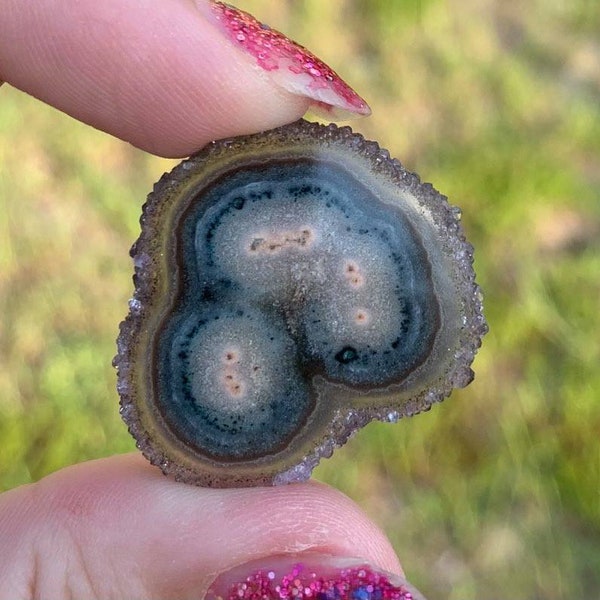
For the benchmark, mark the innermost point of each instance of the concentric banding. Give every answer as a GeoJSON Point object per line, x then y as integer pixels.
{"type": "Point", "coordinates": [229, 383]}
{"type": "Point", "coordinates": [290, 286]}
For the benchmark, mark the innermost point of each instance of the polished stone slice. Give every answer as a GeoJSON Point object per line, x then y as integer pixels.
{"type": "Point", "coordinates": [291, 286]}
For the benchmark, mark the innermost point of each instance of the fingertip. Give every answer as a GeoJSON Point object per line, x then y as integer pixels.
{"type": "Point", "coordinates": [122, 515]}
{"type": "Point", "coordinates": [164, 79]}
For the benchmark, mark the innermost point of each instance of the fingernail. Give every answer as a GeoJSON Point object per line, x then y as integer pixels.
{"type": "Point", "coordinates": [311, 577]}
{"type": "Point", "coordinates": [288, 64]}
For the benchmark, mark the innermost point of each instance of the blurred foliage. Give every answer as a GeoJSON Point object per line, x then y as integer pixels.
{"type": "Point", "coordinates": [494, 493]}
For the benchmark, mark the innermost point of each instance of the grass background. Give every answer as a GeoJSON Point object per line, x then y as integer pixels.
{"type": "Point", "coordinates": [494, 493]}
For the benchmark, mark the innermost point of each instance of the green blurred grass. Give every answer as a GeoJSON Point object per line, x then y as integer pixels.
{"type": "Point", "coordinates": [494, 493]}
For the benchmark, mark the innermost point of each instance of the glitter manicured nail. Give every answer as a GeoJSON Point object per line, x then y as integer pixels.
{"type": "Point", "coordinates": [289, 65]}
{"type": "Point", "coordinates": [312, 577]}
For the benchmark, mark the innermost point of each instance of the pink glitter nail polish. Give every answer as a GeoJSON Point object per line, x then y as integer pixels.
{"type": "Point", "coordinates": [314, 578]}
{"type": "Point", "coordinates": [290, 65]}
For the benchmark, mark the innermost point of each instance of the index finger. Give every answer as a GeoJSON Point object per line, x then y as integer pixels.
{"type": "Point", "coordinates": [161, 74]}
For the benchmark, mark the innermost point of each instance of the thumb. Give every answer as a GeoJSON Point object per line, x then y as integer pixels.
{"type": "Point", "coordinates": [118, 528]}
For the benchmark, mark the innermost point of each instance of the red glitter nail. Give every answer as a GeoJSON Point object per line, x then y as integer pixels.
{"type": "Point", "coordinates": [303, 581]}
{"type": "Point", "coordinates": [290, 65]}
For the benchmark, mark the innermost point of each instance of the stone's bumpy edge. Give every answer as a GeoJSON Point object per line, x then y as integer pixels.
{"type": "Point", "coordinates": [346, 422]}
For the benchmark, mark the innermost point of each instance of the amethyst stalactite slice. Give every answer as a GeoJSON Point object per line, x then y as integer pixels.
{"type": "Point", "coordinates": [290, 287]}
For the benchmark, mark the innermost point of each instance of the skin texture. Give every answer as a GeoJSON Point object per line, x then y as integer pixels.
{"type": "Point", "coordinates": [156, 73]}
{"type": "Point", "coordinates": [118, 528]}
{"type": "Point", "coordinates": [161, 76]}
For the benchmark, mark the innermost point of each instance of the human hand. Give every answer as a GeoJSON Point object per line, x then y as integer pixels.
{"type": "Point", "coordinates": [163, 76]}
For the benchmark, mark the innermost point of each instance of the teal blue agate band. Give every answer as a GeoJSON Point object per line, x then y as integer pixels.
{"type": "Point", "coordinates": [265, 272]}
{"type": "Point", "coordinates": [290, 287]}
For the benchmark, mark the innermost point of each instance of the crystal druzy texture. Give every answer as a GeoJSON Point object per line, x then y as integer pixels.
{"type": "Point", "coordinates": [290, 287]}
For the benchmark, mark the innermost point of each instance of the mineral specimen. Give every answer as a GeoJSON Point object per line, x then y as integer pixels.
{"type": "Point", "coordinates": [290, 287]}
